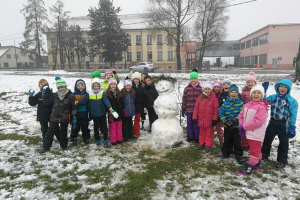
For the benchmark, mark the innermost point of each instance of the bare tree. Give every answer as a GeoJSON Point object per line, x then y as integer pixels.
{"type": "Point", "coordinates": [171, 16]}
{"type": "Point", "coordinates": [210, 24]}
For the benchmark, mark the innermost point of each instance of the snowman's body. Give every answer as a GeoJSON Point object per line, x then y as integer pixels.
{"type": "Point", "coordinates": [166, 130]}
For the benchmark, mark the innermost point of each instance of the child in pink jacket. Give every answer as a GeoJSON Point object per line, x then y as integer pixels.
{"type": "Point", "coordinates": [206, 115]}
{"type": "Point", "coordinates": [217, 86]}
{"type": "Point", "coordinates": [252, 124]}
{"type": "Point", "coordinates": [251, 82]}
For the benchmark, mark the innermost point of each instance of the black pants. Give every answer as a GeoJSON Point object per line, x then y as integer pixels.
{"type": "Point", "coordinates": [59, 130]}
{"type": "Point", "coordinates": [127, 128]}
{"type": "Point", "coordinates": [100, 122]}
{"type": "Point", "coordinates": [152, 116]}
{"type": "Point", "coordinates": [83, 124]}
{"type": "Point", "coordinates": [274, 128]}
{"type": "Point", "coordinates": [44, 128]}
{"type": "Point", "coordinates": [232, 138]}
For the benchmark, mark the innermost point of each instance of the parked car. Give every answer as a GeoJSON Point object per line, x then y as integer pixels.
{"type": "Point", "coordinates": [143, 67]}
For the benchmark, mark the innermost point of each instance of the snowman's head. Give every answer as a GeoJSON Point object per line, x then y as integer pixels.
{"type": "Point", "coordinates": [164, 87]}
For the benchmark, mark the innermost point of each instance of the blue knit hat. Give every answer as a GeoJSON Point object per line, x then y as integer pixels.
{"type": "Point", "coordinates": [60, 83]}
{"type": "Point", "coordinates": [234, 87]}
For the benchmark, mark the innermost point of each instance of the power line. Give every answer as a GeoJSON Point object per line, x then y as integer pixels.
{"type": "Point", "coordinates": [9, 35]}
{"type": "Point", "coordinates": [11, 39]}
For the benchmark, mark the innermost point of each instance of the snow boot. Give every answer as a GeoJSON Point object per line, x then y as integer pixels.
{"type": "Point", "coordinates": [74, 142]}
{"type": "Point", "coordinates": [98, 143]}
{"type": "Point", "coordinates": [114, 143]}
{"type": "Point", "coordinates": [257, 168]}
{"type": "Point", "coordinates": [280, 165]}
{"type": "Point", "coordinates": [239, 160]}
{"type": "Point", "coordinates": [65, 148]}
{"type": "Point", "coordinates": [224, 156]}
{"type": "Point", "coordinates": [265, 157]}
{"type": "Point", "coordinates": [86, 141]}
{"type": "Point", "coordinates": [246, 171]}
{"type": "Point", "coordinates": [119, 142]}
{"type": "Point", "coordinates": [43, 150]}
{"type": "Point", "coordinates": [209, 149]}
{"type": "Point", "coordinates": [105, 143]}
{"type": "Point", "coordinates": [201, 147]}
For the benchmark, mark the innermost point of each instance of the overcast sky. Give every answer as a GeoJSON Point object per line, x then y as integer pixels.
{"type": "Point", "coordinates": [244, 19]}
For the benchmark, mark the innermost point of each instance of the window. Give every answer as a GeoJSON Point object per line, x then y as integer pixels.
{"type": "Point", "coordinates": [149, 39]}
{"type": "Point", "coordinates": [159, 39]}
{"type": "Point", "coordinates": [53, 42]}
{"type": "Point", "coordinates": [255, 41]}
{"type": "Point", "coordinates": [159, 56]}
{"type": "Point", "coordinates": [6, 65]}
{"type": "Point", "coordinates": [8, 56]}
{"type": "Point", "coordinates": [243, 45]}
{"type": "Point", "coordinates": [129, 39]}
{"type": "Point", "coordinates": [170, 40]}
{"type": "Point", "coordinates": [128, 56]}
{"type": "Point", "coordinates": [54, 57]}
{"type": "Point", "coordinates": [138, 56]}
{"type": "Point", "coordinates": [82, 58]}
{"type": "Point", "coordinates": [236, 46]}
{"type": "Point", "coordinates": [248, 44]}
{"type": "Point", "coordinates": [92, 58]}
{"type": "Point", "coordinates": [138, 40]}
{"type": "Point", "coordinates": [72, 58]}
{"type": "Point", "coordinates": [170, 67]}
{"type": "Point", "coordinates": [149, 55]}
{"type": "Point", "coordinates": [16, 56]}
{"type": "Point", "coordinates": [263, 39]}
{"type": "Point", "coordinates": [100, 57]}
{"type": "Point", "coordinates": [170, 55]}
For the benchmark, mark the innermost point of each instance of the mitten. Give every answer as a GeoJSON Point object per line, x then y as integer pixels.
{"type": "Point", "coordinates": [214, 123]}
{"type": "Point", "coordinates": [44, 88]}
{"type": "Point", "coordinates": [145, 111]}
{"type": "Point", "coordinates": [242, 130]}
{"type": "Point", "coordinates": [125, 113]}
{"type": "Point", "coordinates": [183, 112]}
{"type": "Point", "coordinates": [114, 113]}
{"type": "Point", "coordinates": [74, 122]}
{"type": "Point", "coordinates": [235, 121]}
{"type": "Point", "coordinates": [114, 72]}
{"type": "Point", "coordinates": [195, 121]}
{"type": "Point", "coordinates": [31, 92]}
{"type": "Point", "coordinates": [292, 131]}
{"type": "Point", "coordinates": [266, 86]}
{"type": "Point", "coordinates": [227, 123]}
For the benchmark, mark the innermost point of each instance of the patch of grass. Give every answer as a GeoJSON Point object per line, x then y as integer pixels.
{"type": "Point", "coordinates": [13, 159]}
{"type": "Point", "coordinates": [29, 184]}
{"type": "Point", "coordinates": [29, 140]}
{"type": "Point", "coordinates": [2, 94]}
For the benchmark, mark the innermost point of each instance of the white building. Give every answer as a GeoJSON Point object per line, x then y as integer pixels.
{"type": "Point", "coordinates": [11, 57]}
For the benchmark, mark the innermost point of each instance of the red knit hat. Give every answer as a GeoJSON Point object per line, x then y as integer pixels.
{"type": "Point", "coordinates": [251, 77]}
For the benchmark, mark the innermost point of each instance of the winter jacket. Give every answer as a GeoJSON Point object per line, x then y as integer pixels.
{"type": "Point", "coordinates": [97, 102]}
{"type": "Point", "coordinates": [223, 97]}
{"type": "Point", "coordinates": [139, 102]}
{"type": "Point", "coordinates": [62, 110]}
{"type": "Point", "coordinates": [283, 107]}
{"type": "Point", "coordinates": [190, 96]}
{"type": "Point", "coordinates": [105, 84]}
{"type": "Point", "coordinates": [43, 110]}
{"type": "Point", "coordinates": [150, 96]}
{"type": "Point", "coordinates": [246, 95]}
{"type": "Point", "coordinates": [254, 117]}
{"type": "Point", "coordinates": [206, 110]}
{"type": "Point", "coordinates": [129, 104]}
{"type": "Point", "coordinates": [118, 106]}
{"type": "Point", "coordinates": [230, 109]}
{"type": "Point", "coordinates": [83, 100]}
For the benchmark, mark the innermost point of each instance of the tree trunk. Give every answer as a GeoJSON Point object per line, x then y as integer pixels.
{"type": "Point", "coordinates": [38, 39]}
{"type": "Point", "coordinates": [178, 60]}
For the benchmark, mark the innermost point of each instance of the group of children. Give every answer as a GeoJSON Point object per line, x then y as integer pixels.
{"type": "Point", "coordinates": [244, 118]}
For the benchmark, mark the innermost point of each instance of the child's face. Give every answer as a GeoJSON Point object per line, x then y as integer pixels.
{"type": "Point", "coordinates": [256, 96]}
{"type": "Point", "coordinates": [62, 89]}
{"type": "Point", "coordinates": [96, 86]}
{"type": "Point", "coordinates": [216, 89]}
{"type": "Point", "coordinates": [194, 81]}
{"type": "Point", "coordinates": [128, 88]}
{"type": "Point", "coordinates": [226, 87]}
{"type": "Point", "coordinates": [251, 84]}
{"type": "Point", "coordinates": [136, 81]}
{"type": "Point", "coordinates": [207, 91]}
{"type": "Point", "coordinates": [233, 94]}
{"type": "Point", "coordinates": [41, 85]}
{"type": "Point", "coordinates": [113, 86]}
{"type": "Point", "coordinates": [108, 76]}
{"type": "Point", "coordinates": [80, 87]}
{"type": "Point", "coordinates": [143, 76]}
{"type": "Point", "coordinates": [148, 81]}
{"type": "Point", "coordinates": [282, 89]}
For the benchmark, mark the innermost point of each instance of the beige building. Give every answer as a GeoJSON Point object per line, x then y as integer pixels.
{"type": "Point", "coordinates": [145, 44]}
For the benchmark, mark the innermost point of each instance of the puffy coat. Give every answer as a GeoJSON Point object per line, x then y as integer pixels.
{"type": "Point", "coordinates": [105, 84]}
{"type": "Point", "coordinates": [246, 95]}
{"type": "Point", "coordinates": [139, 102]}
{"type": "Point", "coordinates": [83, 100]}
{"type": "Point", "coordinates": [62, 110]}
{"type": "Point", "coordinates": [230, 109]}
{"type": "Point", "coordinates": [118, 106]}
{"type": "Point", "coordinates": [254, 117]}
{"type": "Point", "coordinates": [150, 96]}
{"type": "Point", "coordinates": [190, 96]}
{"type": "Point", "coordinates": [129, 104]}
{"type": "Point", "coordinates": [223, 97]}
{"type": "Point", "coordinates": [206, 110]}
{"type": "Point", "coordinates": [43, 110]}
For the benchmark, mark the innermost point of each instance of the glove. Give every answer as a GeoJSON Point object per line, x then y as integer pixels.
{"type": "Point", "coordinates": [31, 92]}
{"type": "Point", "coordinates": [44, 88]}
{"type": "Point", "coordinates": [266, 86]}
{"type": "Point", "coordinates": [114, 72]}
{"type": "Point", "coordinates": [214, 123]}
{"type": "Point", "coordinates": [227, 123]}
{"type": "Point", "coordinates": [74, 122]}
{"type": "Point", "coordinates": [114, 113]}
{"type": "Point", "coordinates": [242, 130]}
{"type": "Point", "coordinates": [125, 113]}
{"type": "Point", "coordinates": [145, 111]}
{"type": "Point", "coordinates": [292, 131]}
{"type": "Point", "coordinates": [183, 112]}
{"type": "Point", "coordinates": [195, 121]}
{"type": "Point", "coordinates": [235, 121]}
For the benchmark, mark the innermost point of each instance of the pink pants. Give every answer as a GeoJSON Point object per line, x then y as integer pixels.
{"type": "Point", "coordinates": [254, 151]}
{"type": "Point", "coordinates": [206, 136]}
{"type": "Point", "coordinates": [244, 141]}
{"type": "Point", "coordinates": [219, 129]}
{"type": "Point", "coordinates": [136, 124]}
{"type": "Point", "coordinates": [115, 130]}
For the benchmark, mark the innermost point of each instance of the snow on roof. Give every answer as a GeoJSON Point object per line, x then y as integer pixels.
{"type": "Point", "coordinates": [3, 50]}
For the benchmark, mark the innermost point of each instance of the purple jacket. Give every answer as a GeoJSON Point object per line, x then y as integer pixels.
{"type": "Point", "coordinates": [129, 104]}
{"type": "Point", "coordinates": [190, 96]}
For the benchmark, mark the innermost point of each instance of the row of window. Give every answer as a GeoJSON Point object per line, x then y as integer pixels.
{"type": "Point", "coordinates": [8, 56]}
{"type": "Point", "coordinates": [263, 39]}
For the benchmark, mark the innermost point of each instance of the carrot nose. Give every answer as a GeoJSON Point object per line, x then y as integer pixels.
{"type": "Point", "coordinates": [163, 88]}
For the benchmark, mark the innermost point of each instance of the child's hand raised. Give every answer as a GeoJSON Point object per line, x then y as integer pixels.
{"type": "Point", "coordinates": [76, 102]}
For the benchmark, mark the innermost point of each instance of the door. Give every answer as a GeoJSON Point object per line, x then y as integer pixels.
{"type": "Point", "coordinates": [274, 63]}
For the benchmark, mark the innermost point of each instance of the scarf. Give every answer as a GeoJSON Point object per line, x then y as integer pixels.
{"type": "Point", "coordinates": [62, 95]}
{"type": "Point", "coordinates": [114, 93]}
{"type": "Point", "coordinates": [96, 91]}
{"type": "Point", "coordinates": [194, 86]}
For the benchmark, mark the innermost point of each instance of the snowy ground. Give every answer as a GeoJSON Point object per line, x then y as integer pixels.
{"type": "Point", "coordinates": [91, 172]}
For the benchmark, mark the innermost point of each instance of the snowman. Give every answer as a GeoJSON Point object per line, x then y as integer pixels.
{"type": "Point", "coordinates": [166, 130]}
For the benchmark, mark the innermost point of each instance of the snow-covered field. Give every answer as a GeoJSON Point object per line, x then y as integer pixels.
{"type": "Point", "coordinates": [91, 172]}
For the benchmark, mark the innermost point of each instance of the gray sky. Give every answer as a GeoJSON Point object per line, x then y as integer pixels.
{"type": "Point", "coordinates": [244, 19]}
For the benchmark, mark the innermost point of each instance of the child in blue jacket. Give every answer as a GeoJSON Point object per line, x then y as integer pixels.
{"type": "Point", "coordinates": [284, 110]}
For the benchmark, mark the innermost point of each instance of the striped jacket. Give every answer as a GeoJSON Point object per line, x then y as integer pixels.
{"type": "Point", "coordinates": [230, 109]}
{"type": "Point", "coordinates": [190, 96]}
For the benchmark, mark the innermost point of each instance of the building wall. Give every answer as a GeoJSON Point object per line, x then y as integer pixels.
{"type": "Point", "coordinates": [188, 51]}
{"type": "Point", "coordinates": [22, 60]}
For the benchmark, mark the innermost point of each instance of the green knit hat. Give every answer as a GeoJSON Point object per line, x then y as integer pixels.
{"type": "Point", "coordinates": [194, 75]}
{"type": "Point", "coordinates": [60, 82]}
